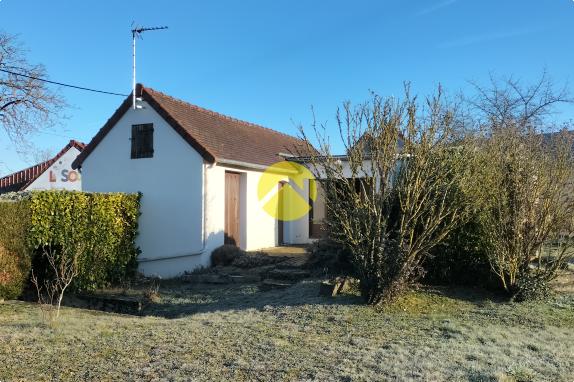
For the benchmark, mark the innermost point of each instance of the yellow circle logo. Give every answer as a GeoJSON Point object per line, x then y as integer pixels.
{"type": "Point", "coordinates": [282, 190]}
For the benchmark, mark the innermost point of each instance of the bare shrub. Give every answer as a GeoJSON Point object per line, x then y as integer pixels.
{"type": "Point", "coordinates": [151, 293]}
{"type": "Point", "coordinates": [395, 195]}
{"type": "Point", "coordinates": [524, 185]}
{"type": "Point", "coordinates": [63, 268]}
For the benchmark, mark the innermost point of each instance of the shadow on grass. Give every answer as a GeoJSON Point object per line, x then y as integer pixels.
{"type": "Point", "coordinates": [179, 300]}
{"type": "Point", "coordinates": [476, 295]}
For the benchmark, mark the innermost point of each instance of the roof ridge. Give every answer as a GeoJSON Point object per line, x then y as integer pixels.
{"type": "Point", "coordinates": [217, 114]}
{"type": "Point", "coordinates": [77, 143]}
{"type": "Point", "coordinates": [213, 135]}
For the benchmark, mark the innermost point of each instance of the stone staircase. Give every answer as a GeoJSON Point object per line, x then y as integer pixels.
{"type": "Point", "coordinates": [281, 278]}
{"type": "Point", "coordinates": [285, 270]}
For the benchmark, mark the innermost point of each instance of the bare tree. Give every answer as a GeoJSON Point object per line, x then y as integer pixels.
{"type": "Point", "coordinates": [42, 155]}
{"type": "Point", "coordinates": [507, 101]}
{"type": "Point", "coordinates": [63, 267]}
{"type": "Point", "coordinates": [26, 104]}
{"type": "Point", "coordinates": [524, 183]}
{"type": "Point", "coordinates": [395, 195]}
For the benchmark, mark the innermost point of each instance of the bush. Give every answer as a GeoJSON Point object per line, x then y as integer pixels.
{"type": "Point", "coordinates": [522, 183]}
{"type": "Point", "coordinates": [225, 255]}
{"type": "Point", "coordinates": [15, 259]}
{"type": "Point", "coordinates": [103, 225]}
{"type": "Point", "coordinates": [397, 194]}
{"type": "Point", "coordinates": [459, 260]}
{"type": "Point", "coordinates": [532, 287]}
{"type": "Point", "coordinates": [330, 258]}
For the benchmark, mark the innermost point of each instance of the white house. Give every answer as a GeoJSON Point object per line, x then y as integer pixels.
{"type": "Point", "coordinates": [53, 174]}
{"type": "Point", "coordinates": [198, 172]}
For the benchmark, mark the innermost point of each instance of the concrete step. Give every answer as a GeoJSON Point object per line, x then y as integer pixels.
{"type": "Point", "coordinates": [293, 262]}
{"type": "Point", "coordinates": [222, 278]}
{"type": "Point", "coordinates": [208, 278]}
{"type": "Point", "coordinates": [245, 278]}
{"type": "Point", "coordinates": [289, 274]}
{"type": "Point", "coordinates": [269, 284]}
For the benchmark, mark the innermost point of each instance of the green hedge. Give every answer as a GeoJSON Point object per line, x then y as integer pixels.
{"type": "Point", "coordinates": [104, 225]}
{"type": "Point", "coordinates": [15, 261]}
{"type": "Point", "coordinates": [459, 260]}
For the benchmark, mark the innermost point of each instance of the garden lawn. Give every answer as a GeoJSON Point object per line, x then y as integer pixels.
{"type": "Point", "coordinates": [237, 333]}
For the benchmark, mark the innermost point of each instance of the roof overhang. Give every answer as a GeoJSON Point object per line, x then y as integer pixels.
{"type": "Point", "coordinates": [119, 113]}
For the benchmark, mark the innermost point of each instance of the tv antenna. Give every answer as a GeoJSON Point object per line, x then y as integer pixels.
{"type": "Point", "coordinates": [137, 32]}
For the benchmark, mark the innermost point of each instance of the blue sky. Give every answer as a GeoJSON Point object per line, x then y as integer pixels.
{"type": "Point", "coordinates": [268, 62]}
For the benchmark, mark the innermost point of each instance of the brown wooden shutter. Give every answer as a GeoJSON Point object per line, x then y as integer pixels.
{"type": "Point", "coordinates": [142, 141]}
{"type": "Point", "coordinates": [147, 138]}
{"type": "Point", "coordinates": [135, 141]}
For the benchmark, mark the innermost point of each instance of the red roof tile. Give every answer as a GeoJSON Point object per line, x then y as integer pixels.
{"type": "Point", "coordinates": [215, 136]}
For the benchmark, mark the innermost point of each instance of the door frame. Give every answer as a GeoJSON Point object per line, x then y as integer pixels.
{"type": "Point", "coordinates": [280, 206]}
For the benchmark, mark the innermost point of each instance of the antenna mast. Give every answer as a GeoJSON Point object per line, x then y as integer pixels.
{"type": "Point", "coordinates": [136, 32]}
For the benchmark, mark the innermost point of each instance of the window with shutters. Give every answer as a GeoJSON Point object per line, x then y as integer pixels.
{"type": "Point", "coordinates": [142, 141]}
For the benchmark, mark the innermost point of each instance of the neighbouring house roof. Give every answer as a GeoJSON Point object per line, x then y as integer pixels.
{"type": "Point", "coordinates": [217, 137]}
{"type": "Point", "coordinates": [365, 141]}
{"type": "Point", "coordinates": [552, 138]}
{"type": "Point", "coordinates": [19, 180]}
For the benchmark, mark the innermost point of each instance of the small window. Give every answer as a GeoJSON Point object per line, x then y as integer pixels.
{"type": "Point", "coordinates": [142, 141]}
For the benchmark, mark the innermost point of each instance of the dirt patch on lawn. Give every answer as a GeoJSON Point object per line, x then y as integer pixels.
{"type": "Point", "coordinates": [564, 283]}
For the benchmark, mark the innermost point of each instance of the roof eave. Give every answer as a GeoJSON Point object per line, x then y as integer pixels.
{"type": "Point", "coordinates": [119, 113]}
{"type": "Point", "coordinates": [202, 150]}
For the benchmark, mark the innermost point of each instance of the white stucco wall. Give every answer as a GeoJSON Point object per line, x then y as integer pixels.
{"type": "Point", "coordinates": [183, 204]}
{"type": "Point", "coordinates": [60, 175]}
{"type": "Point", "coordinates": [263, 228]}
{"type": "Point", "coordinates": [258, 228]}
{"type": "Point", "coordinates": [171, 221]}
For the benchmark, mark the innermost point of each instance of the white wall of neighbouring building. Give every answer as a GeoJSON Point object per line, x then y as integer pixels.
{"type": "Point", "coordinates": [60, 175]}
{"type": "Point", "coordinates": [297, 231]}
{"type": "Point", "coordinates": [171, 234]}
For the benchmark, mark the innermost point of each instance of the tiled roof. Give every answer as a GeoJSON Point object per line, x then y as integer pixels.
{"type": "Point", "coordinates": [553, 138]}
{"type": "Point", "coordinates": [215, 136]}
{"type": "Point", "coordinates": [19, 180]}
